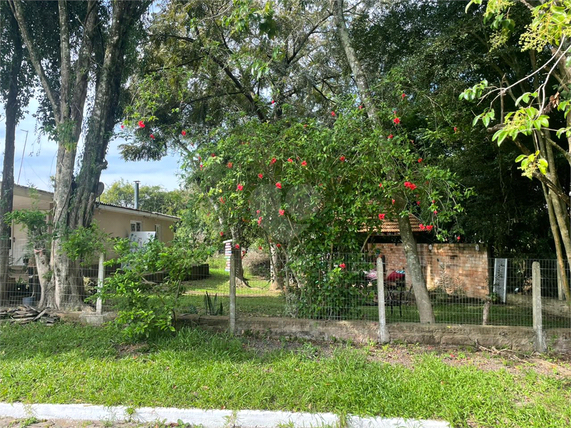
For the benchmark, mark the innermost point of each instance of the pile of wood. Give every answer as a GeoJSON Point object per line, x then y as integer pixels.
{"type": "Point", "coordinates": [27, 314]}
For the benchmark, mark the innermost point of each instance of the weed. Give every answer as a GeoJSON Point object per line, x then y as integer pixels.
{"type": "Point", "coordinates": [29, 421]}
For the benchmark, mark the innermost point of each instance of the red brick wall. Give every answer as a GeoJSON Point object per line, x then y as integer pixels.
{"type": "Point", "coordinates": [456, 268]}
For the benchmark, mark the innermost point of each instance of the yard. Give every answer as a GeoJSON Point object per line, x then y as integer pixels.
{"type": "Point", "coordinates": [194, 369]}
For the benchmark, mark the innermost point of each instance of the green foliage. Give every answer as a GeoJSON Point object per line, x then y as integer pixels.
{"type": "Point", "coordinates": [147, 307]}
{"type": "Point", "coordinates": [37, 226]}
{"type": "Point", "coordinates": [85, 243]}
{"type": "Point", "coordinates": [212, 305]}
{"type": "Point", "coordinates": [531, 163]}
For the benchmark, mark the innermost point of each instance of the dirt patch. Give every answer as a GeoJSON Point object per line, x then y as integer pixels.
{"type": "Point", "coordinates": [557, 366]}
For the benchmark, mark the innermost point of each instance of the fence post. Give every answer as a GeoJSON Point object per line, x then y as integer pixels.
{"type": "Point", "coordinates": [232, 314]}
{"type": "Point", "coordinates": [100, 278]}
{"type": "Point", "coordinates": [383, 331]}
{"type": "Point", "coordinates": [536, 297]}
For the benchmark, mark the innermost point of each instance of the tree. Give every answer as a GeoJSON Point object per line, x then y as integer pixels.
{"type": "Point", "coordinates": [93, 42]}
{"type": "Point", "coordinates": [15, 89]}
{"type": "Point", "coordinates": [539, 103]}
{"type": "Point", "coordinates": [151, 198]}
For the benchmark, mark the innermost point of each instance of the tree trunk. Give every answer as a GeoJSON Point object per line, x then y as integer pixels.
{"type": "Point", "coordinates": [7, 191]}
{"type": "Point", "coordinates": [413, 262]}
{"type": "Point", "coordinates": [276, 269]}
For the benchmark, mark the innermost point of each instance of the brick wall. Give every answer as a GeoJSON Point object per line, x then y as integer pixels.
{"type": "Point", "coordinates": [456, 268]}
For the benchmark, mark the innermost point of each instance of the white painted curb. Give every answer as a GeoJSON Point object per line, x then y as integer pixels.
{"type": "Point", "coordinates": [206, 418]}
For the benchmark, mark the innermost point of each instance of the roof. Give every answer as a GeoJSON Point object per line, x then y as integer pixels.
{"type": "Point", "coordinates": [118, 208]}
{"type": "Point", "coordinates": [391, 227]}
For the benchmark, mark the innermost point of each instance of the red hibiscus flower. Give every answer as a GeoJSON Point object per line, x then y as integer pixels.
{"type": "Point", "coordinates": [333, 113]}
{"type": "Point", "coordinates": [273, 161]}
{"type": "Point", "coordinates": [152, 136]}
{"type": "Point", "coordinates": [342, 265]}
{"type": "Point", "coordinates": [237, 246]}
{"type": "Point", "coordinates": [396, 120]}
{"type": "Point", "coordinates": [230, 165]}
{"type": "Point", "coordinates": [240, 187]}
{"type": "Point", "coordinates": [141, 124]}
{"type": "Point", "coordinates": [393, 201]}
{"type": "Point", "coordinates": [419, 160]}
{"type": "Point", "coordinates": [260, 248]}
{"type": "Point", "coordinates": [257, 211]}
{"type": "Point", "coordinates": [273, 101]}
{"type": "Point", "coordinates": [418, 203]}
{"type": "Point", "coordinates": [303, 163]}
{"type": "Point", "coordinates": [381, 216]}
{"type": "Point", "coordinates": [391, 136]}
{"type": "Point", "coordinates": [260, 176]}
{"type": "Point", "coordinates": [380, 184]}
{"type": "Point", "coordinates": [213, 155]}
{"type": "Point", "coordinates": [279, 185]}
{"type": "Point", "coordinates": [290, 160]}
{"type": "Point", "coordinates": [403, 96]}
{"type": "Point", "coordinates": [435, 212]}
{"type": "Point", "coordinates": [429, 227]}
{"type": "Point", "coordinates": [201, 166]}
{"type": "Point", "coordinates": [278, 245]}
{"type": "Point", "coordinates": [221, 233]}
{"type": "Point", "coordinates": [455, 129]}
{"type": "Point", "coordinates": [458, 238]}
{"type": "Point", "coordinates": [259, 220]}
{"type": "Point", "coordinates": [421, 226]}
{"type": "Point", "coordinates": [281, 212]}
{"type": "Point", "coordinates": [183, 133]}
{"type": "Point", "coordinates": [342, 158]}
{"type": "Point", "coordinates": [122, 126]}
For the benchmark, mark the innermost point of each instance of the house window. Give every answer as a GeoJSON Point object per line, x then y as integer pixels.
{"type": "Point", "coordinates": [158, 231]}
{"type": "Point", "coordinates": [135, 226]}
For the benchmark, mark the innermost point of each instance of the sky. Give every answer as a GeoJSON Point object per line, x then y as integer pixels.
{"type": "Point", "coordinates": [38, 163]}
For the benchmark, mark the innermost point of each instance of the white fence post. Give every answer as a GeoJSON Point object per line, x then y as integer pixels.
{"type": "Point", "coordinates": [540, 345]}
{"type": "Point", "coordinates": [232, 314]}
{"type": "Point", "coordinates": [383, 331]}
{"type": "Point", "coordinates": [100, 279]}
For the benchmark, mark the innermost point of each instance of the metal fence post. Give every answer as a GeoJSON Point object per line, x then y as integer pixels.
{"type": "Point", "coordinates": [100, 279]}
{"type": "Point", "coordinates": [383, 331]}
{"type": "Point", "coordinates": [540, 345]}
{"type": "Point", "coordinates": [232, 314]}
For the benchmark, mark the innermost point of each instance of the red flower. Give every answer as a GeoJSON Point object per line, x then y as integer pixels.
{"type": "Point", "coordinates": [257, 211]}
{"type": "Point", "coordinates": [421, 226]}
{"type": "Point", "coordinates": [122, 126]}
{"type": "Point", "coordinates": [141, 124]}
{"type": "Point", "coordinates": [278, 245]}
{"type": "Point", "coordinates": [183, 133]}
{"type": "Point", "coordinates": [221, 233]}
{"type": "Point", "coordinates": [458, 238]}
{"type": "Point", "coordinates": [396, 120]}
{"type": "Point", "coordinates": [279, 185]}
{"type": "Point", "coordinates": [409, 185]}
{"type": "Point", "coordinates": [237, 246]}
{"type": "Point", "coordinates": [222, 200]}
{"type": "Point", "coordinates": [342, 265]}
{"type": "Point", "coordinates": [201, 166]}
{"type": "Point", "coordinates": [260, 175]}
{"type": "Point", "coordinates": [273, 161]}
{"type": "Point", "coordinates": [333, 113]}
{"type": "Point", "coordinates": [281, 212]}
{"type": "Point", "coordinates": [259, 220]}
{"type": "Point", "coordinates": [230, 165]}
{"type": "Point", "coordinates": [435, 212]}
{"type": "Point", "coordinates": [393, 201]}
{"type": "Point", "coordinates": [381, 216]}
{"type": "Point", "coordinates": [273, 101]}
{"type": "Point", "coordinates": [403, 96]}
{"type": "Point", "coordinates": [429, 227]}
{"type": "Point", "coordinates": [240, 187]}
{"type": "Point", "coordinates": [152, 136]}
{"type": "Point", "coordinates": [213, 155]}
{"type": "Point", "coordinates": [290, 160]}
{"type": "Point", "coordinates": [418, 203]}
{"type": "Point", "coordinates": [342, 158]}
{"type": "Point", "coordinates": [455, 129]}
{"type": "Point", "coordinates": [380, 184]}
{"type": "Point", "coordinates": [419, 160]}
{"type": "Point", "coordinates": [303, 163]}
{"type": "Point", "coordinates": [260, 248]}
{"type": "Point", "coordinates": [390, 137]}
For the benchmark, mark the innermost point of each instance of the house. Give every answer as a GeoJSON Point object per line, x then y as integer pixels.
{"type": "Point", "coordinates": [456, 268]}
{"type": "Point", "coordinates": [119, 222]}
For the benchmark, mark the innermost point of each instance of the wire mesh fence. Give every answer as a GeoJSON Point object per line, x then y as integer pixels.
{"type": "Point", "coordinates": [331, 287]}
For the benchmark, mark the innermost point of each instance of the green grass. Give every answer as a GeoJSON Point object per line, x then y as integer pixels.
{"type": "Point", "coordinates": [74, 364]}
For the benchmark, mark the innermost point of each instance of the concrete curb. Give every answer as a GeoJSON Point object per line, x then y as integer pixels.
{"type": "Point", "coordinates": [206, 418]}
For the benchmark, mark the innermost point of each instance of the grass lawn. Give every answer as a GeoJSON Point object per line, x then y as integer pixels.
{"type": "Point", "coordinates": [194, 369]}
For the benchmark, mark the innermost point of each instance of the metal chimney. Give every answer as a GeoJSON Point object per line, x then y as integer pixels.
{"type": "Point", "coordinates": [137, 195]}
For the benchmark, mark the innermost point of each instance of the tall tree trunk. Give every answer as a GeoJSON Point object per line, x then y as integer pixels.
{"type": "Point", "coordinates": [7, 191]}
{"type": "Point", "coordinates": [409, 243]}
{"type": "Point", "coordinates": [276, 269]}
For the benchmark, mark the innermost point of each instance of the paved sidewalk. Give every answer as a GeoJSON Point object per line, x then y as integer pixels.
{"type": "Point", "coordinates": [204, 418]}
